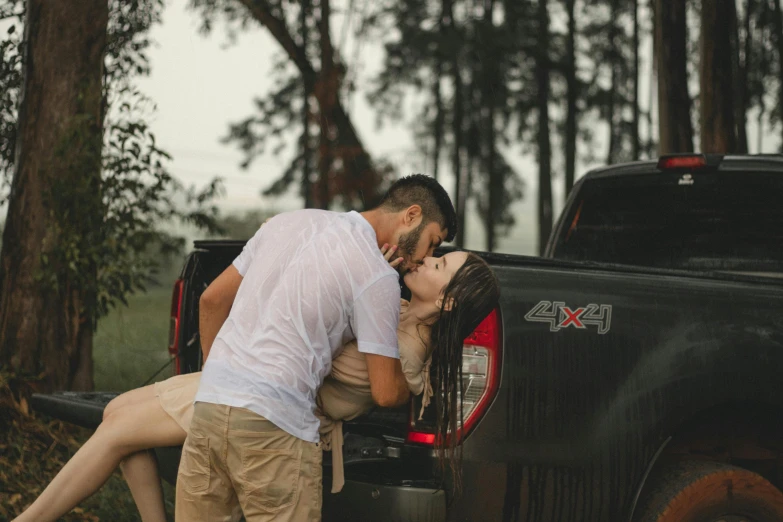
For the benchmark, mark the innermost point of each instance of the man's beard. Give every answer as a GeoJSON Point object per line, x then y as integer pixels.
{"type": "Point", "coordinates": [406, 246]}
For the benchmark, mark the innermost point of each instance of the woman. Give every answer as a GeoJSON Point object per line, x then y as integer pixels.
{"type": "Point", "coordinates": [449, 297]}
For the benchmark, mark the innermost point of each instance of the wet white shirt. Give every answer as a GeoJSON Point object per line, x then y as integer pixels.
{"type": "Point", "coordinates": [312, 281]}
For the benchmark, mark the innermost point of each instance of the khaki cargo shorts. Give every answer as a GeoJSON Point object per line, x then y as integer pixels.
{"type": "Point", "coordinates": [234, 458]}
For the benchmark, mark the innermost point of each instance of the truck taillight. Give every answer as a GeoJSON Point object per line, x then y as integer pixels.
{"type": "Point", "coordinates": [175, 321]}
{"type": "Point", "coordinates": [682, 161]}
{"type": "Point", "coordinates": [480, 381]}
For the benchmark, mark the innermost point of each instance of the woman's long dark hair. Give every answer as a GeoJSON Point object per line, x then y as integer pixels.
{"type": "Point", "coordinates": [473, 293]}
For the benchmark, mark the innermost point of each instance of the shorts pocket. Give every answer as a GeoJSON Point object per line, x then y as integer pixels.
{"type": "Point", "coordinates": [270, 478]}
{"type": "Point", "coordinates": [194, 465]}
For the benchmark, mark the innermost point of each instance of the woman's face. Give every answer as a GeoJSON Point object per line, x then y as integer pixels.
{"type": "Point", "coordinates": [427, 281]}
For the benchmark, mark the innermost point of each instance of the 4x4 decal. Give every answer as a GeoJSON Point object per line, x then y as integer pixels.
{"type": "Point", "coordinates": [559, 316]}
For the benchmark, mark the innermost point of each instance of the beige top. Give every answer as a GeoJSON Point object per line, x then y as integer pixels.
{"type": "Point", "coordinates": [344, 395]}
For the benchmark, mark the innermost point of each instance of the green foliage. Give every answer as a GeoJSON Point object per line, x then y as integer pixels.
{"type": "Point", "coordinates": [243, 226]}
{"type": "Point", "coordinates": [33, 449]}
{"type": "Point", "coordinates": [293, 109]}
{"type": "Point", "coordinates": [460, 64]}
{"type": "Point", "coordinates": [278, 118]}
{"type": "Point", "coordinates": [136, 197]}
{"type": "Point", "coordinates": [610, 55]}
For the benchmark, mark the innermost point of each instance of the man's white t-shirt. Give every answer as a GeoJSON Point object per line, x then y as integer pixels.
{"type": "Point", "coordinates": [312, 281]}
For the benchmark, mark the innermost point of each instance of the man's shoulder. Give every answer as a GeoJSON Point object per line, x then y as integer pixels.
{"type": "Point", "coordinates": [308, 214]}
{"type": "Point", "coordinates": [384, 280]}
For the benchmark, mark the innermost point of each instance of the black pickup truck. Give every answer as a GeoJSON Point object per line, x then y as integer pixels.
{"type": "Point", "coordinates": [624, 374]}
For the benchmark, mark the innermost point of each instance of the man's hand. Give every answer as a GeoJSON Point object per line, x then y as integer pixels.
{"type": "Point", "coordinates": [387, 382]}
{"type": "Point", "coordinates": [214, 306]}
{"type": "Point", "coordinates": [388, 252]}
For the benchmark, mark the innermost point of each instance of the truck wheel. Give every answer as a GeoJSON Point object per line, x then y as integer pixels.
{"type": "Point", "coordinates": [703, 491]}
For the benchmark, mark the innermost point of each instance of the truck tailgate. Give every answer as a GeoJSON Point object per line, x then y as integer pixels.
{"type": "Point", "coordinates": [81, 408]}
{"type": "Point", "coordinates": [86, 409]}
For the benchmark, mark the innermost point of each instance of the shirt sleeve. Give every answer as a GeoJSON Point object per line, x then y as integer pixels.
{"type": "Point", "coordinates": [376, 314]}
{"type": "Point", "coordinates": [243, 260]}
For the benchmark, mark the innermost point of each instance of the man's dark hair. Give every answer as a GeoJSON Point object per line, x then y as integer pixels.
{"type": "Point", "coordinates": [425, 191]}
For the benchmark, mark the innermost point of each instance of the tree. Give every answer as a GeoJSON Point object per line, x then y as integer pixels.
{"type": "Point", "coordinates": [761, 54]}
{"type": "Point", "coordinates": [306, 151]}
{"type": "Point", "coordinates": [55, 207]}
{"type": "Point", "coordinates": [674, 104]}
{"type": "Point", "coordinates": [243, 225]}
{"type": "Point", "coordinates": [544, 145]}
{"type": "Point", "coordinates": [96, 194]}
{"type": "Point", "coordinates": [635, 141]}
{"type": "Point", "coordinates": [459, 66]}
{"type": "Point", "coordinates": [718, 127]}
{"type": "Point", "coordinates": [610, 56]}
{"type": "Point", "coordinates": [613, 112]}
{"type": "Point", "coordinates": [490, 84]}
{"type": "Point", "coordinates": [347, 173]}
{"type": "Point", "coordinates": [742, 46]}
{"type": "Point", "coordinates": [777, 17]}
{"type": "Point", "coordinates": [571, 97]}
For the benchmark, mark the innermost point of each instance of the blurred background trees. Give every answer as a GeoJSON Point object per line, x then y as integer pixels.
{"type": "Point", "coordinates": [492, 91]}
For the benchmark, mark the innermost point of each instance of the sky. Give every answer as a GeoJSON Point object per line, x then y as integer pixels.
{"type": "Point", "coordinates": [201, 84]}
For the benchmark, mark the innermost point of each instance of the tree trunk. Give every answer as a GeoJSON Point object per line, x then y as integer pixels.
{"type": "Point", "coordinates": [760, 134]}
{"type": "Point", "coordinates": [306, 186]}
{"type": "Point", "coordinates": [489, 81]}
{"type": "Point", "coordinates": [571, 97]}
{"type": "Point", "coordinates": [747, 65]}
{"type": "Point", "coordinates": [457, 128]}
{"type": "Point", "coordinates": [636, 144]}
{"type": "Point", "coordinates": [652, 82]}
{"type": "Point", "coordinates": [440, 111]}
{"type": "Point", "coordinates": [739, 74]}
{"type": "Point", "coordinates": [778, 22]}
{"type": "Point", "coordinates": [674, 104]}
{"type": "Point", "coordinates": [762, 58]}
{"type": "Point", "coordinates": [460, 188]}
{"type": "Point", "coordinates": [359, 178]}
{"type": "Point", "coordinates": [611, 117]}
{"type": "Point", "coordinates": [439, 118]}
{"type": "Point", "coordinates": [327, 88]}
{"type": "Point", "coordinates": [544, 145]}
{"type": "Point", "coordinates": [55, 209]}
{"type": "Point", "coordinates": [718, 125]}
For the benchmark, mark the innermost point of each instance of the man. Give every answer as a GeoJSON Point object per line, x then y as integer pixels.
{"type": "Point", "coordinates": [308, 282]}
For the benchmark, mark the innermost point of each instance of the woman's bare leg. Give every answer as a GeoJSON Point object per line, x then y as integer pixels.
{"type": "Point", "coordinates": [133, 423]}
{"type": "Point", "coordinates": [141, 473]}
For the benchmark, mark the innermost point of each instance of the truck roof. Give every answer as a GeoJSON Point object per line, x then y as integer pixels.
{"type": "Point", "coordinates": [766, 162]}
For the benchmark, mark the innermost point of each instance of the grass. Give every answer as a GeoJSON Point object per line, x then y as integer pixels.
{"type": "Point", "coordinates": [131, 342]}
{"type": "Point", "coordinates": [129, 347]}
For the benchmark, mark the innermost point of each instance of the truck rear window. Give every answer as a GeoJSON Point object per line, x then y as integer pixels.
{"type": "Point", "coordinates": [728, 221]}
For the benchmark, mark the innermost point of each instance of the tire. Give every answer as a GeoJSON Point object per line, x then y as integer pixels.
{"type": "Point", "coordinates": [703, 491]}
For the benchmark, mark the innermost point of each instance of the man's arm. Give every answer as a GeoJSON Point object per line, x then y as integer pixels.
{"type": "Point", "coordinates": [214, 306]}
{"type": "Point", "coordinates": [387, 382]}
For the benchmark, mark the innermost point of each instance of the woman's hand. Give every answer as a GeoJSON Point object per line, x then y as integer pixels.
{"type": "Point", "coordinates": [388, 252]}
